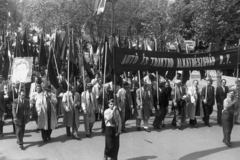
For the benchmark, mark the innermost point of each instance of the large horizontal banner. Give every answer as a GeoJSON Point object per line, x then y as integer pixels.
{"type": "Point", "coordinates": [130, 60]}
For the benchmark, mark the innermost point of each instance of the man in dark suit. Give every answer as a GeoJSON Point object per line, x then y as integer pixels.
{"type": "Point", "coordinates": [21, 116]}
{"type": "Point", "coordinates": [221, 94]}
{"type": "Point", "coordinates": [13, 94]}
{"type": "Point", "coordinates": [208, 101]}
{"type": "Point", "coordinates": [2, 110]}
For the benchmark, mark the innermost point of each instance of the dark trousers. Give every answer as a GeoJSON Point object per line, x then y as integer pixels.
{"type": "Point", "coordinates": [1, 126]}
{"type": "Point", "coordinates": [111, 143]}
{"type": "Point", "coordinates": [179, 116]}
{"type": "Point", "coordinates": [14, 129]}
{"type": "Point", "coordinates": [163, 114]}
{"type": "Point", "coordinates": [193, 121]}
{"type": "Point", "coordinates": [157, 120]}
{"type": "Point", "coordinates": [20, 129]}
{"type": "Point", "coordinates": [206, 119]}
{"type": "Point", "coordinates": [219, 113]}
{"type": "Point", "coordinates": [68, 131]}
{"type": "Point", "coordinates": [46, 134]}
{"type": "Point", "coordinates": [227, 124]}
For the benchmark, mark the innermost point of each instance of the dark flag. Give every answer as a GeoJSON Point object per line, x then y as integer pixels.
{"type": "Point", "coordinates": [185, 76]}
{"type": "Point", "coordinates": [73, 58]}
{"type": "Point", "coordinates": [18, 48]}
{"type": "Point", "coordinates": [88, 69]}
{"type": "Point", "coordinates": [109, 59]}
{"type": "Point", "coordinates": [179, 49]}
{"type": "Point", "coordinates": [51, 71]}
{"type": "Point", "coordinates": [202, 74]}
{"type": "Point", "coordinates": [42, 54]}
{"type": "Point", "coordinates": [57, 51]}
{"type": "Point", "coordinates": [25, 44]}
{"type": "Point", "coordinates": [170, 75]}
{"type": "Point", "coordinates": [6, 60]}
{"type": "Point", "coordinates": [64, 46]}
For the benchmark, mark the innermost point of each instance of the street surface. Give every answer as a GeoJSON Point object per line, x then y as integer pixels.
{"type": "Point", "coordinates": [202, 143]}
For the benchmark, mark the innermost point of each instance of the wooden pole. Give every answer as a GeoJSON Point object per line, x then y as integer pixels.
{"type": "Point", "coordinates": [18, 96]}
{"type": "Point", "coordinates": [140, 86]}
{"type": "Point", "coordinates": [104, 74]}
{"type": "Point", "coordinates": [112, 45]}
{"type": "Point", "coordinates": [237, 85]}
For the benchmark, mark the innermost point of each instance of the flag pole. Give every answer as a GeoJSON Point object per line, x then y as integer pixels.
{"type": "Point", "coordinates": [18, 96]}
{"type": "Point", "coordinates": [105, 68]}
{"type": "Point", "coordinates": [112, 45]}
{"type": "Point", "coordinates": [155, 41]}
{"type": "Point", "coordinates": [54, 54]}
{"type": "Point", "coordinates": [237, 85]}
{"type": "Point", "coordinates": [140, 86]}
{"type": "Point", "coordinates": [68, 66]}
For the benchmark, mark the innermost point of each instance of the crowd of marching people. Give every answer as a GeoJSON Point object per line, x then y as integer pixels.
{"type": "Point", "coordinates": [44, 104]}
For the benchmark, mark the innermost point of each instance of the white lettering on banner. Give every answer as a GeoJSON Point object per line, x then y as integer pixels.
{"type": "Point", "coordinates": [194, 62]}
{"type": "Point", "coordinates": [130, 59]}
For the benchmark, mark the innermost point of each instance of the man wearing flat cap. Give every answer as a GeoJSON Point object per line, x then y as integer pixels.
{"type": "Point", "coordinates": [124, 98]}
{"type": "Point", "coordinates": [46, 109]}
{"type": "Point", "coordinates": [180, 95]}
{"type": "Point", "coordinates": [89, 103]}
{"type": "Point", "coordinates": [208, 97]}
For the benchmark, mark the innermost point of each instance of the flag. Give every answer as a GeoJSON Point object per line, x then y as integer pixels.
{"type": "Point", "coordinates": [6, 60]}
{"type": "Point", "coordinates": [18, 48]}
{"type": "Point", "coordinates": [109, 59]}
{"type": "Point", "coordinates": [185, 76]}
{"type": "Point", "coordinates": [73, 59]}
{"type": "Point", "coordinates": [95, 10]}
{"type": "Point", "coordinates": [42, 54]}
{"type": "Point", "coordinates": [64, 46]}
{"type": "Point", "coordinates": [178, 46]}
{"type": "Point", "coordinates": [51, 71]}
{"type": "Point", "coordinates": [25, 44]}
{"type": "Point", "coordinates": [101, 7]}
{"type": "Point", "coordinates": [57, 51]}
{"type": "Point", "coordinates": [88, 69]}
{"type": "Point", "coordinates": [72, 50]}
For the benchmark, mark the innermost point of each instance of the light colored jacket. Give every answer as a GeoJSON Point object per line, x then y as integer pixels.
{"type": "Point", "coordinates": [41, 106]}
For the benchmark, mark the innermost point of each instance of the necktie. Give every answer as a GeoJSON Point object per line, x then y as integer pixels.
{"type": "Point", "coordinates": [90, 97]}
{"type": "Point", "coordinates": [223, 89]}
{"type": "Point", "coordinates": [113, 119]}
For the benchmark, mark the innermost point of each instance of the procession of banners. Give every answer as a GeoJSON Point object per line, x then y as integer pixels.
{"type": "Point", "coordinates": [134, 60]}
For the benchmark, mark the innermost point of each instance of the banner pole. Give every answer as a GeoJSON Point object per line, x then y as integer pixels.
{"type": "Point", "coordinates": [18, 96]}
{"type": "Point", "coordinates": [104, 74]}
{"type": "Point", "coordinates": [237, 85]}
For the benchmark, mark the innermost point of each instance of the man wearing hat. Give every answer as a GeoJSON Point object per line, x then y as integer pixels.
{"type": "Point", "coordinates": [179, 103]}
{"type": "Point", "coordinates": [89, 103]}
{"type": "Point", "coordinates": [71, 104]}
{"type": "Point", "coordinates": [144, 105]}
{"type": "Point", "coordinates": [124, 98]}
{"type": "Point", "coordinates": [21, 116]}
{"type": "Point", "coordinates": [208, 100]}
{"type": "Point", "coordinates": [46, 109]}
{"type": "Point", "coordinates": [33, 98]}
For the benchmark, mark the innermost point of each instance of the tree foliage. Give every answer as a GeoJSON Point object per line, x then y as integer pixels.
{"type": "Point", "coordinates": [215, 21]}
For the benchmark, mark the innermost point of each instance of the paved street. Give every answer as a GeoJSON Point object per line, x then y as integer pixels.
{"type": "Point", "coordinates": [203, 143]}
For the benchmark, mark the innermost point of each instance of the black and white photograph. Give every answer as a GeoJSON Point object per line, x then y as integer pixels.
{"type": "Point", "coordinates": [119, 79]}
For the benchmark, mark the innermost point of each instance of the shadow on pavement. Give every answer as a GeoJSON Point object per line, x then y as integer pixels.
{"type": "Point", "coordinates": [143, 158]}
{"type": "Point", "coordinates": [5, 158]}
{"type": "Point", "coordinates": [200, 154]}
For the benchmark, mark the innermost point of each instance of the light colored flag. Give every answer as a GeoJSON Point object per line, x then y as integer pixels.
{"type": "Point", "coordinates": [101, 7]}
